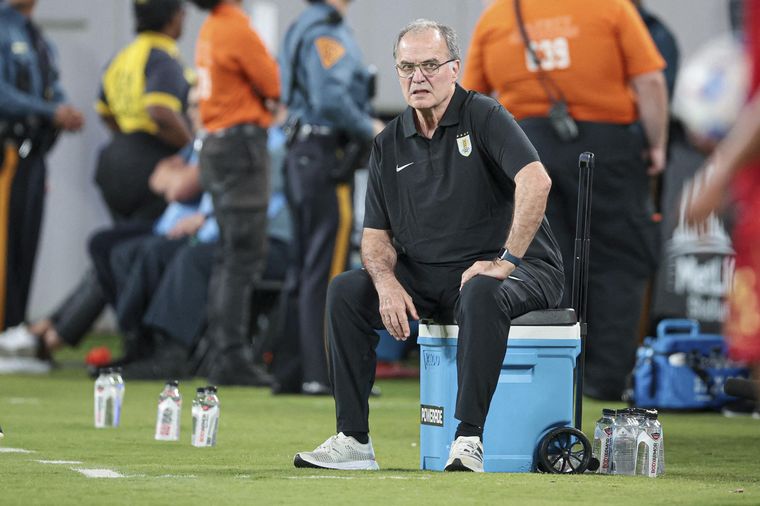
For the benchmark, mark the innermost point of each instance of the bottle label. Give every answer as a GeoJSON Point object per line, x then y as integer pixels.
{"type": "Point", "coordinates": [605, 451]}
{"type": "Point", "coordinates": [167, 420]}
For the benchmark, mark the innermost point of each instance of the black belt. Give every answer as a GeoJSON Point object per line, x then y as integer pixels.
{"type": "Point", "coordinates": [240, 129]}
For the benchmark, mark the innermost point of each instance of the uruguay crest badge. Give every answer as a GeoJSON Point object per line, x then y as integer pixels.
{"type": "Point", "coordinates": [464, 144]}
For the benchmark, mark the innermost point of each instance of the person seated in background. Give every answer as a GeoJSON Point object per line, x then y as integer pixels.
{"type": "Point", "coordinates": [30, 348]}
{"type": "Point", "coordinates": [161, 284]}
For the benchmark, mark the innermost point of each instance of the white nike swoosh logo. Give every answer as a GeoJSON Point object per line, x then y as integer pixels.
{"type": "Point", "coordinates": [399, 169]}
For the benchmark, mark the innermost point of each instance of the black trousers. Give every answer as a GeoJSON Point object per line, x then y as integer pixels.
{"type": "Point", "coordinates": [137, 266]}
{"type": "Point", "coordinates": [178, 305]}
{"type": "Point", "coordinates": [79, 309]}
{"type": "Point", "coordinates": [624, 244]}
{"type": "Point", "coordinates": [321, 211]}
{"type": "Point", "coordinates": [102, 243]}
{"type": "Point", "coordinates": [483, 310]}
{"type": "Point", "coordinates": [235, 170]}
{"type": "Point", "coordinates": [25, 208]}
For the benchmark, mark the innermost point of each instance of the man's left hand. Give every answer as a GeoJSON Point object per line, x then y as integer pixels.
{"type": "Point", "coordinates": [498, 269]}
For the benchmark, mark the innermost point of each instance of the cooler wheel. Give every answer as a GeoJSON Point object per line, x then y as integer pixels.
{"type": "Point", "coordinates": [564, 450]}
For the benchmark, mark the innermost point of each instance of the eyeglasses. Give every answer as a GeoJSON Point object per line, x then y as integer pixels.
{"type": "Point", "coordinates": [428, 68]}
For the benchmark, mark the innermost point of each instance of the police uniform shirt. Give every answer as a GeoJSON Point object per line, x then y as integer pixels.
{"type": "Point", "coordinates": [332, 84]}
{"type": "Point", "coordinates": [145, 73]}
{"type": "Point", "coordinates": [28, 69]}
{"type": "Point", "coordinates": [449, 199]}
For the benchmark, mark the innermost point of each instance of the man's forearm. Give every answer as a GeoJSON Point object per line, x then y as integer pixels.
{"type": "Point", "coordinates": [378, 254]}
{"type": "Point", "coordinates": [532, 185]}
{"type": "Point", "coordinates": [652, 103]}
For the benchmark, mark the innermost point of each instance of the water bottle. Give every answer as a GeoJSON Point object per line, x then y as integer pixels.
{"type": "Point", "coordinates": [101, 392]}
{"type": "Point", "coordinates": [624, 431]}
{"type": "Point", "coordinates": [649, 443]}
{"type": "Point", "coordinates": [661, 455]}
{"type": "Point", "coordinates": [117, 385]}
{"type": "Point", "coordinates": [205, 417]}
{"type": "Point", "coordinates": [212, 401]}
{"type": "Point", "coordinates": [169, 409]}
{"type": "Point", "coordinates": [602, 449]}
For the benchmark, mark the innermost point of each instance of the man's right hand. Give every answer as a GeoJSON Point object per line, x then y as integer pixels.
{"type": "Point", "coordinates": [396, 306]}
{"type": "Point", "coordinates": [68, 118]}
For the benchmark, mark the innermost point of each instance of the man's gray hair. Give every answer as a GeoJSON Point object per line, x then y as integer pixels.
{"type": "Point", "coordinates": [422, 25]}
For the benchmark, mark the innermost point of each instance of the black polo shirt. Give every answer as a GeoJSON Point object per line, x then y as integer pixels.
{"type": "Point", "coordinates": [449, 199]}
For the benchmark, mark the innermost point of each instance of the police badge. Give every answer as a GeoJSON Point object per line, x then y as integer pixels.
{"type": "Point", "coordinates": [464, 144]}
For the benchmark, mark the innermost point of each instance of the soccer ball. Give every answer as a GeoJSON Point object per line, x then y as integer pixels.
{"type": "Point", "coordinates": [711, 88]}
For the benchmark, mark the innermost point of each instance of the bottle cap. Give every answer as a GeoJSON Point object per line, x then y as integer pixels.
{"type": "Point", "coordinates": [652, 414]}
{"type": "Point", "coordinates": [200, 390]}
{"type": "Point", "coordinates": [174, 383]}
{"type": "Point", "coordinates": [211, 388]}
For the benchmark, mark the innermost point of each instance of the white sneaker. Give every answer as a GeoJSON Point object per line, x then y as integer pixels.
{"type": "Point", "coordinates": [18, 342]}
{"type": "Point", "coordinates": [466, 454]}
{"type": "Point", "coordinates": [339, 452]}
{"type": "Point", "coordinates": [24, 365]}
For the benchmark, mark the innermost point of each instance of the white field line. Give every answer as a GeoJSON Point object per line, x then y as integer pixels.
{"type": "Point", "coordinates": [98, 473]}
{"type": "Point", "coordinates": [60, 462]}
{"type": "Point", "coordinates": [23, 400]}
{"type": "Point", "coordinates": [14, 450]}
{"type": "Point", "coordinates": [328, 477]}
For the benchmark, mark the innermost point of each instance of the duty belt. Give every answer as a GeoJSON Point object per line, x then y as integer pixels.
{"type": "Point", "coordinates": [240, 129]}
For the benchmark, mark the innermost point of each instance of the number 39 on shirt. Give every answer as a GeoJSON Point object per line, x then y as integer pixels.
{"type": "Point", "coordinates": [554, 54]}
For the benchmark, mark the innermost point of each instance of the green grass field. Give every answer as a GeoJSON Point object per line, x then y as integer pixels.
{"type": "Point", "coordinates": [710, 459]}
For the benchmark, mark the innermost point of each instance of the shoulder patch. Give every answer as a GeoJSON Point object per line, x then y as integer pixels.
{"type": "Point", "coordinates": [330, 51]}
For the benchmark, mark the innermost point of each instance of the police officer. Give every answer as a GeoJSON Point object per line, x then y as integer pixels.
{"type": "Point", "coordinates": [327, 91]}
{"type": "Point", "coordinates": [543, 60]}
{"type": "Point", "coordinates": [32, 112]}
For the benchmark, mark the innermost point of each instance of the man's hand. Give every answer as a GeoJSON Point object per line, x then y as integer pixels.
{"type": "Point", "coordinates": [165, 169]}
{"type": "Point", "coordinates": [187, 226]}
{"type": "Point", "coordinates": [656, 159]}
{"type": "Point", "coordinates": [498, 269]}
{"type": "Point", "coordinates": [395, 305]}
{"type": "Point", "coordinates": [68, 118]}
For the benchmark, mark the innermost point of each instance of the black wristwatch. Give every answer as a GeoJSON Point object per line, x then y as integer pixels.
{"type": "Point", "coordinates": [504, 254]}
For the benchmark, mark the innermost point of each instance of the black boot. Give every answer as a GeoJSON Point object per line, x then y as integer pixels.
{"type": "Point", "coordinates": [168, 361]}
{"type": "Point", "coordinates": [234, 366]}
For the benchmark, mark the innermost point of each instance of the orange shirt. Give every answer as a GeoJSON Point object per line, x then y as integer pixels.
{"type": "Point", "coordinates": [589, 48]}
{"type": "Point", "coordinates": [235, 71]}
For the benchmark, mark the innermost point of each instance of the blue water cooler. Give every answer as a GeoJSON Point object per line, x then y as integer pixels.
{"type": "Point", "coordinates": [534, 394]}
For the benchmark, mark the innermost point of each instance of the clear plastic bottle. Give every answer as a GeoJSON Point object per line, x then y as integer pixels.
{"type": "Point", "coordinates": [602, 448]}
{"type": "Point", "coordinates": [101, 393]}
{"type": "Point", "coordinates": [206, 417]}
{"type": "Point", "coordinates": [169, 410]}
{"type": "Point", "coordinates": [212, 401]}
{"type": "Point", "coordinates": [649, 443]}
{"type": "Point", "coordinates": [661, 456]}
{"type": "Point", "coordinates": [118, 389]}
{"type": "Point", "coordinates": [624, 431]}
{"type": "Point", "coordinates": [197, 412]}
